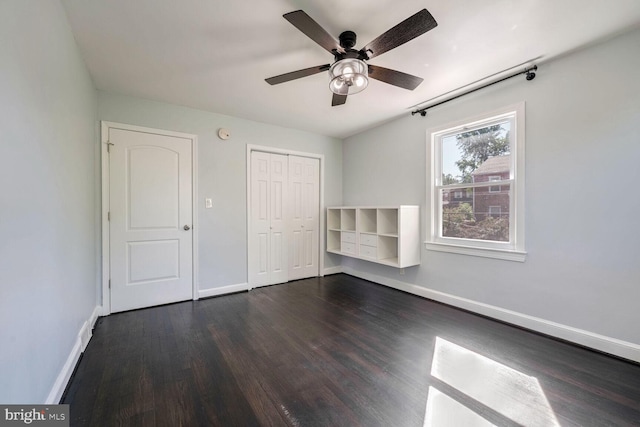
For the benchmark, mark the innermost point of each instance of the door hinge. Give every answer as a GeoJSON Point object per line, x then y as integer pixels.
{"type": "Point", "coordinates": [109, 146]}
{"type": "Point", "coordinates": [108, 216]}
{"type": "Point", "coordinates": [109, 283]}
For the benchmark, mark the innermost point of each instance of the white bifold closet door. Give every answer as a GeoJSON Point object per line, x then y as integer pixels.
{"type": "Point", "coordinates": [268, 261]}
{"type": "Point", "coordinates": [304, 204]}
{"type": "Point", "coordinates": [284, 218]}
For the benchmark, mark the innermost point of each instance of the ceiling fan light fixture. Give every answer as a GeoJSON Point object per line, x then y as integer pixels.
{"type": "Point", "coordinates": [348, 76]}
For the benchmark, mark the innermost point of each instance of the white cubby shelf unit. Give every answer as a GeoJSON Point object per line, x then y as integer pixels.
{"type": "Point", "coordinates": [387, 235]}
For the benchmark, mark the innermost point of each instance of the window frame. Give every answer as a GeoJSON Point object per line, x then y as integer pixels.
{"type": "Point", "coordinates": [513, 250]}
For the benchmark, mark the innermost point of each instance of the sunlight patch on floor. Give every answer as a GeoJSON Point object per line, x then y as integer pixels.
{"type": "Point", "coordinates": [443, 411]}
{"type": "Point", "coordinates": [507, 391]}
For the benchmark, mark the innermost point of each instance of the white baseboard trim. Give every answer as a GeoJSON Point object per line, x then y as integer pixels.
{"type": "Point", "coordinates": [212, 292]}
{"type": "Point", "coordinates": [332, 270]}
{"type": "Point", "coordinates": [84, 335]}
{"type": "Point", "coordinates": [86, 332]}
{"type": "Point", "coordinates": [614, 346]}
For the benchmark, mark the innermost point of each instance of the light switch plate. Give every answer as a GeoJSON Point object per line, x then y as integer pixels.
{"type": "Point", "coordinates": [208, 203]}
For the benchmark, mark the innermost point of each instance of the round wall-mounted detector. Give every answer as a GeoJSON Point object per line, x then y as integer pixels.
{"type": "Point", "coordinates": [224, 133]}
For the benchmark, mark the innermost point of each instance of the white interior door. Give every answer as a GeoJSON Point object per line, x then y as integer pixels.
{"type": "Point", "coordinates": [304, 203]}
{"type": "Point", "coordinates": [268, 240]}
{"type": "Point", "coordinates": [150, 219]}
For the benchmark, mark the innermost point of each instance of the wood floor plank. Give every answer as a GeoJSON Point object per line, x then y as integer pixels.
{"type": "Point", "coordinates": [336, 351]}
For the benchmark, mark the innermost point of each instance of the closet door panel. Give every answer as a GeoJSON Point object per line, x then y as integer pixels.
{"type": "Point", "coordinates": [304, 193]}
{"type": "Point", "coordinates": [296, 184]}
{"type": "Point", "coordinates": [278, 219]}
{"type": "Point", "coordinates": [311, 216]}
{"type": "Point", "coordinates": [260, 227]}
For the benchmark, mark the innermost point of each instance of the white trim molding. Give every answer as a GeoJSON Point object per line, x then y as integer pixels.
{"type": "Point", "coordinates": [332, 270]}
{"type": "Point", "coordinates": [614, 346]}
{"type": "Point", "coordinates": [84, 335]}
{"type": "Point", "coordinates": [508, 255]}
{"type": "Point", "coordinates": [223, 290]}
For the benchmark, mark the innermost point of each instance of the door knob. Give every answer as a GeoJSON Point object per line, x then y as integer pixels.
{"type": "Point", "coordinates": [187, 228]}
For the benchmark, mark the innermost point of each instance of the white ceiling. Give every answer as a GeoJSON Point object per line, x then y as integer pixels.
{"type": "Point", "coordinates": [214, 55]}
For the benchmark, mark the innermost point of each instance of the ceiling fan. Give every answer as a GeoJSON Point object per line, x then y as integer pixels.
{"type": "Point", "coordinates": [349, 73]}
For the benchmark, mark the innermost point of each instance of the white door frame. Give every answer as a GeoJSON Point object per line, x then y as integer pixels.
{"type": "Point", "coordinates": [106, 262]}
{"type": "Point", "coordinates": [321, 237]}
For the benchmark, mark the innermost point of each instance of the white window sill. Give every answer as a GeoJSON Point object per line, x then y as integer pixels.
{"type": "Point", "coordinates": [504, 254]}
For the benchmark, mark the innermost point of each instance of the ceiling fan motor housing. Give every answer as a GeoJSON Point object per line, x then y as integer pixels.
{"type": "Point", "coordinates": [347, 39]}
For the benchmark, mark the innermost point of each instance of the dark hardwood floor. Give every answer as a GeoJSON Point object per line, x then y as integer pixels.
{"type": "Point", "coordinates": [339, 351]}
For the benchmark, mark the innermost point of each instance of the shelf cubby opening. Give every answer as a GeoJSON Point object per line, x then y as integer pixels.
{"type": "Point", "coordinates": [388, 221]}
{"type": "Point", "coordinates": [387, 247]}
{"type": "Point", "coordinates": [333, 240]}
{"type": "Point", "coordinates": [333, 219]}
{"type": "Point", "coordinates": [368, 222]}
{"type": "Point", "coordinates": [348, 220]}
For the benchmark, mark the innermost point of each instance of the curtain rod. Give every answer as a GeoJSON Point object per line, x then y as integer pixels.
{"type": "Point", "coordinates": [530, 75]}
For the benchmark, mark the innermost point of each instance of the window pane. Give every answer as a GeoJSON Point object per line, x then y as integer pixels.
{"type": "Point", "coordinates": [480, 213]}
{"type": "Point", "coordinates": [450, 155]}
{"type": "Point", "coordinates": [476, 155]}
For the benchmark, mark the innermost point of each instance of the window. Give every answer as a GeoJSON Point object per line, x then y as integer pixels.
{"type": "Point", "coordinates": [482, 158]}
{"type": "Point", "coordinates": [495, 211]}
{"type": "Point", "coordinates": [494, 188]}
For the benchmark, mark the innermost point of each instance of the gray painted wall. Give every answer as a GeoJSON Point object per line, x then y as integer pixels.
{"type": "Point", "coordinates": [48, 113]}
{"type": "Point", "coordinates": [582, 206]}
{"type": "Point", "coordinates": [583, 122]}
{"type": "Point", "coordinates": [222, 234]}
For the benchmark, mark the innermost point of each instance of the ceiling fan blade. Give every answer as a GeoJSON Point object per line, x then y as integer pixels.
{"type": "Point", "coordinates": [341, 97]}
{"type": "Point", "coordinates": [312, 29]}
{"type": "Point", "coordinates": [297, 74]}
{"type": "Point", "coordinates": [338, 99]}
{"type": "Point", "coordinates": [405, 31]}
{"type": "Point", "coordinates": [393, 77]}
